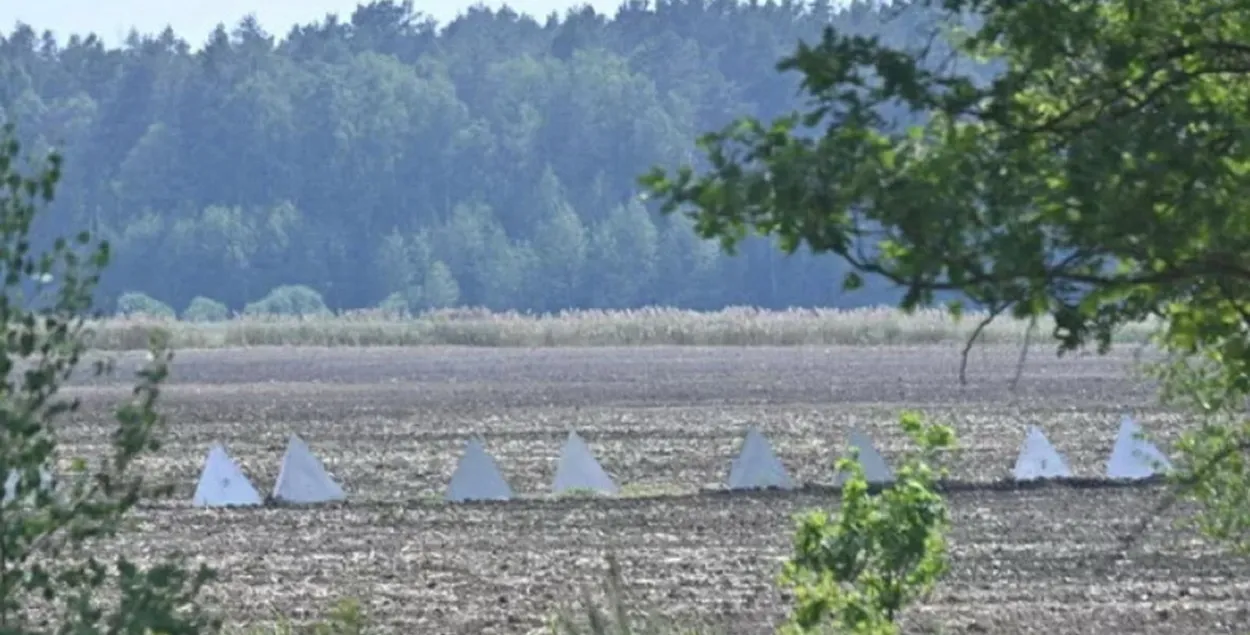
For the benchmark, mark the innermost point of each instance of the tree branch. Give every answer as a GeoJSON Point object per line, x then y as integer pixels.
{"type": "Point", "coordinates": [1024, 352]}
{"type": "Point", "coordinates": [1173, 496]}
{"type": "Point", "coordinates": [976, 334]}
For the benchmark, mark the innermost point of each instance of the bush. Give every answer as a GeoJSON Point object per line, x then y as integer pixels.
{"type": "Point", "coordinates": [202, 309]}
{"type": "Point", "coordinates": [855, 570]}
{"type": "Point", "coordinates": [439, 289]}
{"type": "Point", "coordinates": [135, 304]}
{"type": "Point", "coordinates": [49, 528]}
{"type": "Point", "coordinates": [395, 305]}
{"type": "Point", "coordinates": [291, 301]}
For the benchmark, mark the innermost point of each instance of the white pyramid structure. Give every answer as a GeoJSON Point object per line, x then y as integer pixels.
{"type": "Point", "coordinates": [1132, 456]}
{"type": "Point", "coordinates": [876, 470]}
{"type": "Point", "coordinates": [1038, 459]}
{"type": "Point", "coordinates": [222, 483]}
{"type": "Point", "coordinates": [10, 483]}
{"type": "Point", "coordinates": [477, 477]}
{"type": "Point", "coordinates": [756, 466]}
{"type": "Point", "coordinates": [302, 478]}
{"type": "Point", "coordinates": [578, 469]}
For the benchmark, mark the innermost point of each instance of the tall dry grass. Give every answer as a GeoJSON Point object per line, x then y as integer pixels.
{"type": "Point", "coordinates": [737, 326]}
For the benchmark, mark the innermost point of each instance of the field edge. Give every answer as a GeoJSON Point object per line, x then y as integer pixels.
{"type": "Point", "coordinates": [654, 326]}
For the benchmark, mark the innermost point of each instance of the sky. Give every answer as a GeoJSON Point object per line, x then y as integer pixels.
{"type": "Point", "coordinates": [193, 20]}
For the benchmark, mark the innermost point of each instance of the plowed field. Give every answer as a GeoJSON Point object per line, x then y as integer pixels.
{"type": "Point", "coordinates": [390, 424]}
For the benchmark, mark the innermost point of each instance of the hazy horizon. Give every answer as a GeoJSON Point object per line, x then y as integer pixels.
{"type": "Point", "coordinates": [194, 20]}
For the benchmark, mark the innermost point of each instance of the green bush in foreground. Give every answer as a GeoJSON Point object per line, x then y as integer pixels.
{"type": "Point", "coordinates": [854, 570]}
{"type": "Point", "coordinates": [50, 578]}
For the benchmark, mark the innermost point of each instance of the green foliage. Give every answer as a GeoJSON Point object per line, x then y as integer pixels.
{"type": "Point", "coordinates": [394, 304]}
{"type": "Point", "coordinates": [138, 304]}
{"type": "Point", "coordinates": [1214, 473]}
{"type": "Point", "coordinates": [49, 529]}
{"type": "Point", "coordinates": [1214, 468]}
{"type": "Point", "coordinates": [289, 300]}
{"type": "Point", "coordinates": [395, 266]}
{"type": "Point", "coordinates": [627, 241]}
{"type": "Point", "coordinates": [853, 571]}
{"type": "Point", "coordinates": [439, 289]}
{"type": "Point", "coordinates": [421, 282]}
{"type": "Point", "coordinates": [346, 618]}
{"type": "Point", "coordinates": [561, 243]}
{"type": "Point", "coordinates": [1100, 179]}
{"type": "Point", "coordinates": [202, 309]}
{"type": "Point", "coordinates": [305, 155]}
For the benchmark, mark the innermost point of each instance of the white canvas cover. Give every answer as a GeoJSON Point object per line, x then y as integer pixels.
{"type": "Point", "coordinates": [10, 483]}
{"type": "Point", "coordinates": [302, 478]}
{"type": "Point", "coordinates": [477, 477]}
{"type": "Point", "coordinates": [876, 470]}
{"type": "Point", "coordinates": [1132, 456]}
{"type": "Point", "coordinates": [222, 483]}
{"type": "Point", "coordinates": [578, 469]}
{"type": "Point", "coordinates": [756, 466]}
{"type": "Point", "coordinates": [1039, 459]}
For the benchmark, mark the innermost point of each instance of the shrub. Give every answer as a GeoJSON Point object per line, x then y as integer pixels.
{"type": "Point", "coordinates": [855, 570]}
{"type": "Point", "coordinates": [49, 524]}
{"type": "Point", "coordinates": [439, 289]}
{"type": "Point", "coordinates": [135, 304]}
{"type": "Point", "coordinates": [289, 300]}
{"type": "Point", "coordinates": [395, 305]}
{"type": "Point", "coordinates": [979, 201]}
{"type": "Point", "coordinates": [202, 309]}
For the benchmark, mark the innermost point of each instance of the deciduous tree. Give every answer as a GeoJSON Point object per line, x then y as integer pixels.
{"type": "Point", "coordinates": [1101, 178]}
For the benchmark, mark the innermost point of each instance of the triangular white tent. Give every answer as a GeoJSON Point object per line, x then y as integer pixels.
{"type": "Point", "coordinates": [876, 471]}
{"type": "Point", "coordinates": [477, 477]}
{"type": "Point", "coordinates": [1039, 459]}
{"type": "Point", "coordinates": [1132, 456]}
{"type": "Point", "coordinates": [10, 483]}
{"type": "Point", "coordinates": [302, 478]}
{"type": "Point", "coordinates": [578, 469]}
{"type": "Point", "coordinates": [222, 483]}
{"type": "Point", "coordinates": [756, 466]}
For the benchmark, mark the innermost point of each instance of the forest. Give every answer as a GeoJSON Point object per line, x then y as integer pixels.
{"type": "Point", "coordinates": [383, 159]}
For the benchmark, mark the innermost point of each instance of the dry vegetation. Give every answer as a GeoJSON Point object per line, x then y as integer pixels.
{"type": "Point", "coordinates": [741, 326]}
{"type": "Point", "coordinates": [390, 423]}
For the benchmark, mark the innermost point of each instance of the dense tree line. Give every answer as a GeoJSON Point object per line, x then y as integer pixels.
{"type": "Point", "coordinates": [490, 161]}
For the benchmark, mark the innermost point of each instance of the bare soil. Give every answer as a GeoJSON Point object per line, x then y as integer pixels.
{"type": "Point", "coordinates": [665, 422]}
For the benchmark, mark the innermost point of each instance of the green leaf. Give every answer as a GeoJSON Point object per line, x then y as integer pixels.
{"type": "Point", "coordinates": [852, 281]}
{"type": "Point", "coordinates": [855, 570]}
{"type": "Point", "coordinates": [46, 530]}
{"type": "Point", "coordinates": [1097, 175]}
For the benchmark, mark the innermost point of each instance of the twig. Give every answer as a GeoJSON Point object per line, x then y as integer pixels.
{"type": "Point", "coordinates": [976, 334]}
{"type": "Point", "coordinates": [1024, 353]}
{"type": "Point", "coordinates": [1170, 499]}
